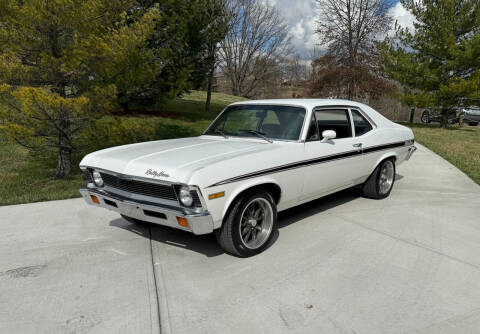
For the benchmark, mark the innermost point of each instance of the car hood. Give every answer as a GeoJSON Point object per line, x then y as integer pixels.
{"type": "Point", "coordinates": [172, 160]}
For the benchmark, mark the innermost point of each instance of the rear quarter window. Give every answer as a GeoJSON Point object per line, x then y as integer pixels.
{"type": "Point", "coordinates": [361, 124]}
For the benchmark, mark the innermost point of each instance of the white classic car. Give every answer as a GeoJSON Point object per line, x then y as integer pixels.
{"type": "Point", "coordinates": [257, 158]}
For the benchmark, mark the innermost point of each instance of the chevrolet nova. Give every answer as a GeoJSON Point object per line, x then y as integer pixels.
{"type": "Point", "coordinates": [257, 158]}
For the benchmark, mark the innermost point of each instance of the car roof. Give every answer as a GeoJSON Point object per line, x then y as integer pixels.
{"type": "Point", "coordinates": [310, 104]}
{"type": "Point", "coordinates": [306, 103]}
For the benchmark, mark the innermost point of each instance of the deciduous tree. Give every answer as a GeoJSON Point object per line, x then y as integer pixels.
{"type": "Point", "coordinates": [256, 41]}
{"type": "Point", "coordinates": [350, 29]}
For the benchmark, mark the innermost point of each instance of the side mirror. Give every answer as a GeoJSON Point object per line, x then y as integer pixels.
{"type": "Point", "coordinates": [327, 135]}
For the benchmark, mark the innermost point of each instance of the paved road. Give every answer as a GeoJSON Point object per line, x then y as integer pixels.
{"type": "Point", "coordinates": [342, 264]}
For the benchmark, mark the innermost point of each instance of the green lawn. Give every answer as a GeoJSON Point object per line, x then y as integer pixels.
{"type": "Point", "coordinates": [25, 178]}
{"type": "Point", "coordinates": [458, 145]}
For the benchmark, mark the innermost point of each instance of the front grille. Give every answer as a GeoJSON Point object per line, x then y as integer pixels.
{"type": "Point", "coordinates": [88, 175]}
{"type": "Point", "coordinates": [196, 199]}
{"type": "Point", "coordinates": [139, 187]}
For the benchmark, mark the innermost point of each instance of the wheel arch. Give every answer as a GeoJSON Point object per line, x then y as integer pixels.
{"type": "Point", "coordinates": [271, 186]}
{"type": "Point", "coordinates": [388, 155]}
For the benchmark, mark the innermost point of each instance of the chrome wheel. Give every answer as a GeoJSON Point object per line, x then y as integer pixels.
{"type": "Point", "coordinates": [387, 175]}
{"type": "Point", "coordinates": [256, 223]}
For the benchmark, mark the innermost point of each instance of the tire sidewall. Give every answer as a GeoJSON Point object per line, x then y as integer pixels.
{"type": "Point", "coordinates": [377, 179]}
{"type": "Point", "coordinates": [235, 218]}
{"type": "Point", "coordinates": [425, 117]}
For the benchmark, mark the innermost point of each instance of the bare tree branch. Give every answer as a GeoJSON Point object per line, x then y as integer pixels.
{"type": "Point", "coordinates": [351, 29]}
{"type": "Point", "coordinates": [257, 38]}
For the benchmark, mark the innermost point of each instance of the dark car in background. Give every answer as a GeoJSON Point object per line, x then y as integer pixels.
{"type": "Point", "coordinates": [435, 115]}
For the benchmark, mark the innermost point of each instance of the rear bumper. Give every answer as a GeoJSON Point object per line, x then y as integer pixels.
{"type": "Point", "coordinates": [201, 223]}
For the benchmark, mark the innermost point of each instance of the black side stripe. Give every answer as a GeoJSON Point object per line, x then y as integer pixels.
{"type": "Point", "coordinates": [310, 162]}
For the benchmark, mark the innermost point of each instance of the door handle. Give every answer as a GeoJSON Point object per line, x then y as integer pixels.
{"type": "Point", "coordinates": [357, 145]}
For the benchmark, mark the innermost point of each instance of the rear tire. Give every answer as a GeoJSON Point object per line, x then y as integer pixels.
{"type": "Point", "coordinates": [250, 224]}
{"type": "Point", "coordinates": [380, 183]}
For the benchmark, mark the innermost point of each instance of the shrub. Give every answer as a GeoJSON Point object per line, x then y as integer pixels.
{"type": "Point", "coordinates": [112, 131]}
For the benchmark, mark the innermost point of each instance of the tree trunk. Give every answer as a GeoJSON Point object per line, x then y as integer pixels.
{"type": "Point", "coordinates": [234, 91]}
{"type": "Point", "coordinates": [209, 89]}
{"type": "Point", "coordinates": [444, 122]}
{"type": "Point", "coordinates": [461, 118]}
{"type": "Point", "coordinates": [64, 165]}
{"type": "Point", "coordinates": [412, 114]}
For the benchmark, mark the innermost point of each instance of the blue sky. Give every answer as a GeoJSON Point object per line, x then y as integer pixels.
{"type": "Point", "coordinates": [300, 16]}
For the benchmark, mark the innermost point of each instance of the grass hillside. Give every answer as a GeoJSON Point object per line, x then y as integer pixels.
{"type": "Point", "coordinates": [26, 178]}
{"type": "Point", "coordinates": [191, 107]}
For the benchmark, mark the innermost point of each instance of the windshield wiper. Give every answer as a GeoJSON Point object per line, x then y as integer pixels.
{"type": "Point", "coordinates": [221, 133]}
{"type": "Point", "coordinates": [258, 134]}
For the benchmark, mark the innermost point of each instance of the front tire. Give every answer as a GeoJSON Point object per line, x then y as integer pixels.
{"type": "Point", "coordinates": [380, 183]}
{"type": "Point", "coordinates": [250, 224]}
{"type": "Point", "coordinates": [425, 117]}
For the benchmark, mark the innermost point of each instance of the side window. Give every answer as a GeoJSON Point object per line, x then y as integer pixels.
{"type": "Point", "coordinates": [312, 129]}
{"type": "Point", "coordinates": [361, 124]}
{"type": "Point", "coordinates": [334, 119]}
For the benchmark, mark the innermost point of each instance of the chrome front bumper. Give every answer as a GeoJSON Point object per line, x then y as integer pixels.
{"type": "Point", "coordinates": [201, 223]}
{"type": "Point", "coordinates": [410, 152]}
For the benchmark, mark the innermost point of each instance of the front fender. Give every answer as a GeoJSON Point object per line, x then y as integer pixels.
{"type": "Point", "coordinates": [218, 208]}
{"type": "Point", "coordinates": [245, 186]}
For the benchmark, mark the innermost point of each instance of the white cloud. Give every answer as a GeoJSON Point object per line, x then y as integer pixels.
{"type": "Point", "coordinates": [301, 16]}
{"type": "Point", "coordinates": [298, 32]}
{"type": "Point", "coordinates": [402, 16]}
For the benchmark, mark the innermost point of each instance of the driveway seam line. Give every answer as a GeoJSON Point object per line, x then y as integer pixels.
{"type": "Point", "coordinates": [154, 279]}
{"type": "Point", "coordinates": [348, 220]}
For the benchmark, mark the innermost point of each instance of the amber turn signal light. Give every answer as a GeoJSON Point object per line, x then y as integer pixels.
{"type": "Point", "coordinates": [95, 199]}
{"type": "Point", "coordinates": [216, 195]}
{"type": "Point", "coordinates": [182, 221]}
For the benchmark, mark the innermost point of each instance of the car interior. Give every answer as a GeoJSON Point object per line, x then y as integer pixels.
{"type": "Point", "coordinates": [361, 124]}
{"type": "Point", "coordinates": [285, 125]}
{"type": "Point", "coordinates": [331, 119]}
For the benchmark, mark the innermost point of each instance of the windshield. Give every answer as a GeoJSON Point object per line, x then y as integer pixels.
{"type": "Point", "coordinates": [271, 121]}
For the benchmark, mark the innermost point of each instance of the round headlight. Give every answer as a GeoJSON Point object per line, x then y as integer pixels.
{"type": "Point", "coordinates": [97, 178]}
{"type": "Point", "coordinates": [185, 197]}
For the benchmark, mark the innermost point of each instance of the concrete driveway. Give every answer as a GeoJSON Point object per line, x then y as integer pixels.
{"type": "Point", "coordinates": [342, 264]}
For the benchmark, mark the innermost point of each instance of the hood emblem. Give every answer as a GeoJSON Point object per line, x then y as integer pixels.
{"type": "Point", "coordinates": [154, 173]}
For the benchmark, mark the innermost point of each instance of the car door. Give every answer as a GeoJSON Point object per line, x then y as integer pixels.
{"type": "Point", "coordinates": [331, 164]}
{"type": "Point", "coordinates": [363, 130]}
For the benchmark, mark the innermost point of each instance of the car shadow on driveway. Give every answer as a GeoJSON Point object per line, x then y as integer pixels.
{"type": "Point", "coordinates": [208, 246]}
{"type": "Point", "coordinates": [295, 214]}
{"type": "Point", "coordinates": [204, 244]}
